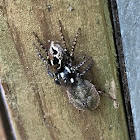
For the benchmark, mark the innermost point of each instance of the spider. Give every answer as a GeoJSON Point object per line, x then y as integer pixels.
{"type": "Point", "coordinates": [81, 93]}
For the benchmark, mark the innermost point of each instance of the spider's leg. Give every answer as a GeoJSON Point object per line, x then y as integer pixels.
{"type": "Point", "coordinates": [39, 42]}
{"type": "Point", "coordinates": [39, 54]}
{"type": "Point", "coordinates": [56, 80]}
{"type": "Point", "coordinates": [81, 64]}
{"type": "Point", "coordinates": [49, 72]}
{"type": "Point", "coordinates": [74, 43]}
{"type": "Point", "coordinates": [44, 60]}
{"type": "Point", "coordinates": [86, 69]}
{"type": "Point", "coordinates": [62, 36]}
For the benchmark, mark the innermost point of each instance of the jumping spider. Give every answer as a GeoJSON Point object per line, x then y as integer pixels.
{"type": "Point", "coordinates": [82, 94]}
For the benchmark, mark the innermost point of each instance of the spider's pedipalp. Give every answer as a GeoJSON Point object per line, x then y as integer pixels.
{"type": "Point", "coordinates": [74, 42]}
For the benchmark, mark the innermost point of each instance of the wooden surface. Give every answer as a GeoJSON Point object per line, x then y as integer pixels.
{"type": "Point", "coordinates": [2, 133]}
{"type": "Point", "coordinates": [40, 109]}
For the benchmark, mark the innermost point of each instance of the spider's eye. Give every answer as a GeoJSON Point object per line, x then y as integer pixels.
{"type": "Point", "coordinates": [55, 61]}
{"type": "Point", "coordinates": [54, 51]}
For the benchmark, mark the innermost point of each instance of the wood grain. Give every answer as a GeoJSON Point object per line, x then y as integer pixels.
{"type": "Point", "coordinates": [40, 109]}
{"type": "Point", "coordinates": [2, 133]}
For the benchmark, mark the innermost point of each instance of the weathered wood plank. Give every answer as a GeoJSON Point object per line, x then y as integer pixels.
{"type": "Point", "coordinates": [2, 133]}
{"type": "Point", "coordinates": [39, 108]}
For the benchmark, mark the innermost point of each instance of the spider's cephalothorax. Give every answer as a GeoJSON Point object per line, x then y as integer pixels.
{"type": "Point", "coordinates": [82, 94]}
{"type": "Point", "coordinates": [57, 57]}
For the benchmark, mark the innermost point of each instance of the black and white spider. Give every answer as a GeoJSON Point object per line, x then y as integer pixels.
{"type": "Point", "coordinates": [82, 94]}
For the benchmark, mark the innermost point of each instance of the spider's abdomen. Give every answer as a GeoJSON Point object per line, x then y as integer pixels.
{"type": "Point", "coordinates": [84, 96]}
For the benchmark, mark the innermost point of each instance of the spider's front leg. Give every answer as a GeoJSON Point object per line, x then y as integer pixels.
{"type": "Point", "coordinates": [62, 36]}
{"type": "Point", "coordinates": [43, 59]}
{"type": "Point", "coordinates": [74, 43]}
{"type": "Point", "coordinates": [40, 55]}
{"type": "Point", "coordinates": [40, 44]}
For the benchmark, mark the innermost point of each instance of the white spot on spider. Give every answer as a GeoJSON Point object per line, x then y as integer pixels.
{"type": "Point", "coordinates": [67, 69]}
{"type": "Point", "coordinates": [54, 46]}
{"type": "Point", "coordinates": [52, 62]}
{"type": "Point", "coordinates": [62, 75]}
{"type": "Point", "coordinates": [72, 80]}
